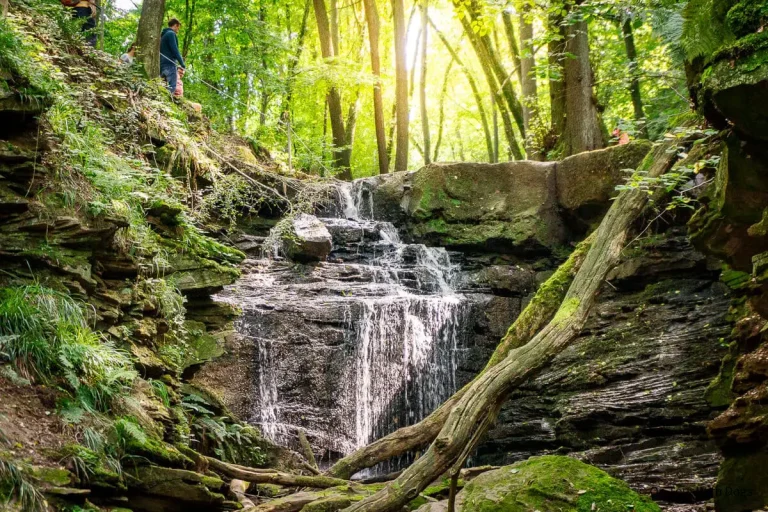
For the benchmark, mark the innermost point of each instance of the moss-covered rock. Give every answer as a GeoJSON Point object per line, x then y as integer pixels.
{"type": "Point", "coordinates": [587, 181]}
{"type": "Point", "coordinates": [742, 483]}
{"type": "Point", "coordinates": [551, 484]}
{"type": "Point", "coordinates": [511, 205]}
{"type": "Point", "coordinates": [156, 488]}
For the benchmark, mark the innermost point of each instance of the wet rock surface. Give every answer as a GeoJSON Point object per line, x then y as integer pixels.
{"type": "Point", "coordinates": [629, 394]}
{"type": "Point", "coordinates": [348, 361]}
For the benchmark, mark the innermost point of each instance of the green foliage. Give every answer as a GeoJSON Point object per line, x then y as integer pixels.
{"type": "Point", "coordinates": [746, 17]}
{"type": "Point", "coordinates": [704, 30]}
{"type": "Point", "coordinates": [228, 440]}
{"type": "Point", "coordinates": [17, 488]}
{"type": "Point", "coordinates": [46, 336]}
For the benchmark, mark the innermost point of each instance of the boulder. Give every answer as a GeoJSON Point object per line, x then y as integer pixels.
{"type": "Point", "coordinates": [158, 489]}
{"type": "Point", "coordinates": [308, 239]}
{"type": "Point", "coordinates": [550, 484]}
{"type": "Point", "coordinates": [497, 207]}
{"type": "Point", "coordinates": [586, 182]}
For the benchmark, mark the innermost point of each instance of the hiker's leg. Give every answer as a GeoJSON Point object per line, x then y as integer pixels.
{"type": "Point", "coordinates": [169, 73]}
{"type": "Point", "coordinates": [89, 23]}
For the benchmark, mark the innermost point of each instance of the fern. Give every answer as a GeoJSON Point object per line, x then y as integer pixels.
{"type": "Point", "coordinates": [704, 30]}
{"type": "Point", "coordinates": [128, 430]}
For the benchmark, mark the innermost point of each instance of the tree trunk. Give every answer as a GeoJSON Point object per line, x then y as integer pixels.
{"type": "Point", "coordinates": [478, 408]}
{"type": "Point", "coordinates": [535, 315]}
{"type": "Point", "coordinates": [556, 57]}
{"type": "Point", "coordinates": [504, 79]}
{"type": "Point", "coordinates": [496, 92]}
{"type": "Point", "coordinates": [514, 49]}
{"type": "Point", "coordinates": [528, 79]}
{"type": "Point", "coordinates": [148, 37]}
{"type": "Point", "coordinates": [582, 130]}
{"type": "Point", "coordinates": [372, 20]}
{"type": "Point", "coordinates": [334, 25]}
{"type": "Point", "coordinates": [287, 117]}
{"type": "Point", "coordinates": [401, 87]}
{"type": "Point", "coordinates": [634, 83]}
{"type": "Point", "coordinates": [423, 83]}
{"type": "Point", "coordinates": [189, 23]}
{"type": "Point", "coordinates": [341, 157]}
{"type": "Point", "coordinates": [441, 110]}
{"type": "Point", "coordinates": [473, 86]}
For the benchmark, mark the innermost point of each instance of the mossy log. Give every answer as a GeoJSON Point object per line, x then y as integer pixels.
{"type": "Point", "coordinates": [535, 316]}
{"type": "Point", "coordinates": [270, 476]}
{"type": "Point", "coordinates": [477, 408]}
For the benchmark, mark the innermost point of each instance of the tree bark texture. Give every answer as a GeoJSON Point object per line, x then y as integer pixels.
{"type": "Point", "coordinates": [582, 131]}
{"type": "Point", "coordinates": [374, 25]}
{"type": "Point", "coordinates": [401, 87]}
{"type": "Point", "coordinates": [148, 36]}
{"type": "Point", "coordinates": [634, 82]}
{"type": "Point", "coordinates": [341, 157]}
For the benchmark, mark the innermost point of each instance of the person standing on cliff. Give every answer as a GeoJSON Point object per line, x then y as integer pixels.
{"type": "Point", "coordinates": [170, 57]}
{"type": "Point", "coordinates": [84, 10]}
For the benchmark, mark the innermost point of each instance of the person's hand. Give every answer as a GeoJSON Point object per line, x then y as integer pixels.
{"type": "Point", "coordinates": [182, 71]}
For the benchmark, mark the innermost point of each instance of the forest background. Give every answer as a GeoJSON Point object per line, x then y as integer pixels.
{"type": "Point", "coordinates": [487, 80]}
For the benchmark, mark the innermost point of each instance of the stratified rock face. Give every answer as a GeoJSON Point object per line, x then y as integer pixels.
{"type": "Point", "coordinates": [524, 207]}
{"type": "Point", "coordinates": [550, 484]}
{"type": "Point", "coordinates": [352, 348]}
{"type": "Point", "coordinates": [728, 78]}
{"type": "Point", "coordinates": [308, 239]}
{"type": "Point", "coordinates": [628, 394]}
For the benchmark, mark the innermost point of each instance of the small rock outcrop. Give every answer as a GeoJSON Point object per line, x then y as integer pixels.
{"type": "Point", "coordinates": [308, 239]}
{"type": "Point", "coordinates": [521, 207]}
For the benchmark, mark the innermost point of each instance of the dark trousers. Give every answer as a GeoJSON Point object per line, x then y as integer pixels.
{"type": "Point", "coordinates": [89, 23]}
{"type": "Point", "coordinates": [168, 71]}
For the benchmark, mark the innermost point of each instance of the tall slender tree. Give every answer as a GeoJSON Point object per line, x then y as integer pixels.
{"type": "Point", "coordinates": [634, 80]}
{"type": "Point", "coordinates": [423, 82]}
{"type": "Point", "coordinates": [148, 36]}
{"type": "Point", "coordinates": [492, 154]}
{"type": "Point", "coordinates": [341, 155]}
{"type": "Point", "coordinates": [401, 86]}
{"type": "Point", "coordinates": [528, 77]}
{"type": "Point", "coordinates": [374, 27]}
{"type": "Point", "coordinates": [556, 58]}
{"type": "Point", "coordinates": [582, 130]}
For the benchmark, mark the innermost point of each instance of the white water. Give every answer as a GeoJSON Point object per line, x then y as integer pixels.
{"type": "Point", "coordinates": [354, 348]}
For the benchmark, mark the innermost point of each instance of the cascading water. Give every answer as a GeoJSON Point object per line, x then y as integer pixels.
{"type": "Point", "coordinates": [358, 346]}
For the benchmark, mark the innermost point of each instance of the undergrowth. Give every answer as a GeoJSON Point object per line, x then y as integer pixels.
{"type": "Point", "coordinates": [17, 489]}
{"type": "Point", "coordinates": [45, 335]}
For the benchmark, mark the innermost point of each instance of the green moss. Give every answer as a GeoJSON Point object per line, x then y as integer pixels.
{"type": "Point", "coordinates": [718, 393]}
{"type": "Point", "coordinates": [742, 484]}
{"type": "Point", "coordinates": [746, 17]}
{"type": "Point", "coordinates": [567, 309]}
{"type": "Point", "coordinates": [158, 452]}
{"type": "Point", "coordinates": [552, 484]}
{"type": "Point", "coordinates": [543, 305]}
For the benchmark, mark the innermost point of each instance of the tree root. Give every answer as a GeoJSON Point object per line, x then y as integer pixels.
{"type": "Point", "coordinates": [478, 407]}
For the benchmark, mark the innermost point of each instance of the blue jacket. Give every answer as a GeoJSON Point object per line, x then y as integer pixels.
{"type": "Point", "coordinates": [169, 47]}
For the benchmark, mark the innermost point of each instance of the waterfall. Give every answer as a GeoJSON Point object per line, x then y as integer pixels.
{"type": "Point", "coordinates": [353, 348]}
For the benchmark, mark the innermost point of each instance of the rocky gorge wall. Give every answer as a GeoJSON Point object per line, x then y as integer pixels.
{"type": "Point", "coordinates": [628, 396]}
{"type": "Point", "coordinates": [728, 77]}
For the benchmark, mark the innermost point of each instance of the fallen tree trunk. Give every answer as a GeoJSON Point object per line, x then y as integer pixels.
{"type": "Point", "coordinates": [477, 408]}
{"type": "Point", "coordinates": [535, 316]}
